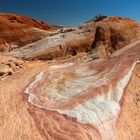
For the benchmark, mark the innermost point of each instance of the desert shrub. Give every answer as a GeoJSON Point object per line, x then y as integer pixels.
{"type": "Point", "coordinates": [97, 18]}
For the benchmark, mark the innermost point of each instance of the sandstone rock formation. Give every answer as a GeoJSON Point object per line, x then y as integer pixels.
{"type": "Point", "coordinates": [102, 38]}
{"type": "Point", "coordinates": [8, 66]}
{"type": "Point", "coordinates": [91, 92]}
{"type": "Point", "coordinates": [16, 31]}
{"type": "Point", "coordinates": [29, 121]}
{"type": "Point", "coordinates": [75, 96]}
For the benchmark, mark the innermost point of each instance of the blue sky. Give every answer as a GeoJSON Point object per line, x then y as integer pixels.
{"type": "Point", "coordinates": [71, 12]}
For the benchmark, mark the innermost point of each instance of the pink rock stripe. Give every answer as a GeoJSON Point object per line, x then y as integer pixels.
{"type": "Point", "coordinates": [90, 92]}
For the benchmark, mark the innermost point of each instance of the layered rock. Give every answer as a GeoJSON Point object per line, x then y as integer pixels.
{"type": "Point", "coordinates": [113, 34]}
{"type": "Point", "coordinates": [91, 92]}
{"type": "Point", "coordinates": [102, 38]}
{"type": "Point", "coordinates": [17, 31]}
{"type": "Point", "coordinates": [21, 120]}
{"type": "Point", "coordinates": [81, 99]}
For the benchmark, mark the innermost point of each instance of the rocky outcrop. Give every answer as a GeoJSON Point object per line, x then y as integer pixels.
{"type": "Point", "coordinates": [28, 122]}
{"type": "Point", "coordinates": [113, 34]}
{"type": "Point", "coordinates": [16, 31]}
{"type": "Point", "coordinates": [102, 38]}
{"type": "Point", "coordinates": [91, 92]}
{"type": "Point", "coordinates": [8, 66]}
{"type": "Point", "coordinates": [75, 97]}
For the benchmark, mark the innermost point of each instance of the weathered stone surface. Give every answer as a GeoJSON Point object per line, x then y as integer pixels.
{"type": "Point", "coordinates": [75, 97]}
{"type": "Point", "coordinates": [90, 92]}
{"type": "Point", "coordinates": [16, 31]}
{"type": "Point", "coordinates": [128, 123]}
{"type": "Point", "coordinates": [8, 66]}
{"type": "Point", "coordinates": [103, 38]}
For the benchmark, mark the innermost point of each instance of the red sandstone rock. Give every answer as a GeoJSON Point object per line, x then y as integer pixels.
{"type": "Point", "coordinates": [89, 92]}
{"type": "Point", "coordinates": [78, 99]}
{"type": "Point", "coordinates": [102, 38]}
{"type": "Point", "coordinates": [16, 31]}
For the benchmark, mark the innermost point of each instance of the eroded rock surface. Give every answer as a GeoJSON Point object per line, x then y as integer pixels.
{"type": "Point", "coordinates": [90, 92]}
{"type": "Point", "coordinates": [9, 65]}
{"type": "Point", "coordinates": [17, 31]}
{"type": "Point", "coordinates": [102, 38]}
{"type": "Point", "coordinates": [75, 97]}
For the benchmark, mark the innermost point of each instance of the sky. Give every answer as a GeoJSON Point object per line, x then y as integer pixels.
{"type": "Point", "coordinates": [71, 12]}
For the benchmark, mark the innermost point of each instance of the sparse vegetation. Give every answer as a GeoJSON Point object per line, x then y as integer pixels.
{"type": "Point", "coordinates": [97, 18]}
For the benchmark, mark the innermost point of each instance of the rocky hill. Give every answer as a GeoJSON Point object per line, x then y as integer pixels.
{"type": "Point", "coordinates": [16, 31]}
{"type": "Point", "coordinates": [70, 83]}
{"type": "Point", "coordinates": [102, 38]}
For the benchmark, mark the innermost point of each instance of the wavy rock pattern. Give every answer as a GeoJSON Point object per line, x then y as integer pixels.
{"type": "Point", "coordinates": [90, 92]}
